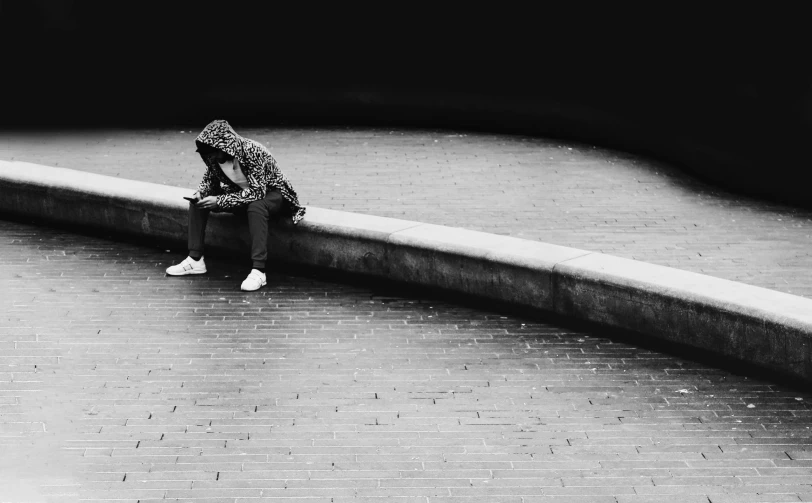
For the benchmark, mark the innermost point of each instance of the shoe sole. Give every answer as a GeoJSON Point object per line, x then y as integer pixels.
{"type": "Point", "coordinates": [254, 290]}
{"type": "Point", "coordinates": [185, 273]}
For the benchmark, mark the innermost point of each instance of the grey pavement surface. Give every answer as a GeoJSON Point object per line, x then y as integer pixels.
{"type": "Point", "coordinates": [557, 192]}
{"type": "Point", "coordinates": [118, 383]}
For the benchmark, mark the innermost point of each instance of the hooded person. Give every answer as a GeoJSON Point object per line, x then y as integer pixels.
{"type": "Point", "coordinates": [241, 176]}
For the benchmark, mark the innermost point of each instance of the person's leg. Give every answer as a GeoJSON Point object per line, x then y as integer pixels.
{"type": "Point", "coordinates": [197, 230]}
{"type": "Point", "coordinates": [259, 212]}
{"type": "Point", "coordinates": [194, 263]}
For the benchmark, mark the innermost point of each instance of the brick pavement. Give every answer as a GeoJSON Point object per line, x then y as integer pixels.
{"type": "Point", "coordinates": [558, 192]}
{"type": "Point", "coordinates": [120, 384]}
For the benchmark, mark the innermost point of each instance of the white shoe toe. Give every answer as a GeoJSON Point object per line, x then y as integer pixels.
{"type": "Point", "coordinates": [254, 281]}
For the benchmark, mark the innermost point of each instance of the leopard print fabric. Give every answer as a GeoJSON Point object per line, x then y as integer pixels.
{"type": "Point", "coordinates": [257, 163]}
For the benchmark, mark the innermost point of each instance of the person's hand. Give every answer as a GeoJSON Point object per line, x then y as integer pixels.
{"type": "Point", "coordinates": [207, 203]}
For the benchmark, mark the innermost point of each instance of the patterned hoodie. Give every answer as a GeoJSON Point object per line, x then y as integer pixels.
{"type": "Point", "coordinates": [257, 164]}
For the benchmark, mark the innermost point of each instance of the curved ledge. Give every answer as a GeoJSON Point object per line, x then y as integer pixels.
{"type": "Point", "coordinates": [770, 329]}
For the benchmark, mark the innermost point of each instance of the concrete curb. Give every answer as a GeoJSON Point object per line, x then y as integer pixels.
{"type": "Point", "coordinates": [754, 325]}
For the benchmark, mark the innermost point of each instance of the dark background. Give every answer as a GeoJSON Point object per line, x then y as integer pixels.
{"type": "Point", "coordinates": [724, 94]}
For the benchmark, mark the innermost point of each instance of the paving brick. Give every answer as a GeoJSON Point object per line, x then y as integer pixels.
{"type": "Point", "coordinates": [784, 488]}
{"type": "Point", "coordinates": [494, 491]}
{"type": "Point", "coordinates": [191, 500]}
{"type": "Point", "coordinates": [687, 498]}
{"type": "Point", "coordinates": [382, 499]}
{"type": "Point", "coordinates": [777, 480]}
{"type": "Point", "coordinates": [753, 498]}
{"type": "Point", "coordinates": [469, 499]}
{"type": "Point", "coordinates": [681, 490]}
{"type": "Point", "coordinates": [568, 499]}
{"type": "Point", "coordinates": [230, 492]}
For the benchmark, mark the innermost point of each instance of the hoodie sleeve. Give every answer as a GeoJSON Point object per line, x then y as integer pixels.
{"type": "Point", "coordinates": [209, 186]}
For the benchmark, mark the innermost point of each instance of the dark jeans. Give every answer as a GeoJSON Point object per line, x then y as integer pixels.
{"type": "Point", "coordinates": [259, 212]}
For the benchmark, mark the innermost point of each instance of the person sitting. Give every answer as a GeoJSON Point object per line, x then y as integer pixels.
{"type": "Point", "coordinates": [241, 177]}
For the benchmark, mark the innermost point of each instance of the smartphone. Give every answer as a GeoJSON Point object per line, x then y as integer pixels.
{"type": "Point", "coordinates": [191, 199]}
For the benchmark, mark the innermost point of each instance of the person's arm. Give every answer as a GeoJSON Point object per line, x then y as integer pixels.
{"type": "Point", "coordinates": [208, 186]}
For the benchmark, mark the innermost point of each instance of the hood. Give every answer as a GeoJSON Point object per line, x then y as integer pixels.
{"type": "Point", "coordinates": [219, 134]}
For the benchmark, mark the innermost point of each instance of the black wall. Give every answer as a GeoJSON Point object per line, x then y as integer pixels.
{"type": "Point", "coordinates": [727, 95]}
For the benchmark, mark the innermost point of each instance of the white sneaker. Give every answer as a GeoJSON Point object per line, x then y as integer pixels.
{"type": "Point", "coordinates": [188, 266]}
{"type": "Point", "coordinates": [254, 281]}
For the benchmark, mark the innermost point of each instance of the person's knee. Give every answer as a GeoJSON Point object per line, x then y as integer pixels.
{"type": "Point", "coordinates": [257, 208]}
{"type": "Point", "coordinates": [270, 205]}
{"type": "Point", "coordinates": [274, 202]}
